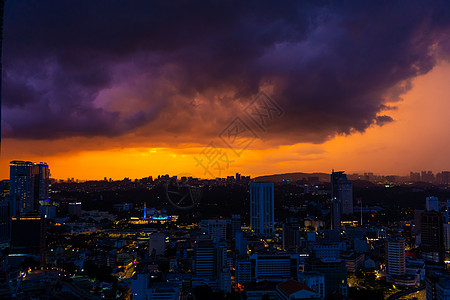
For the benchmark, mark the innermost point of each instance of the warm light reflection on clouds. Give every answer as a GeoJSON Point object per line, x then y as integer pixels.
{"type": "Point", "coordinates": [418, 139]}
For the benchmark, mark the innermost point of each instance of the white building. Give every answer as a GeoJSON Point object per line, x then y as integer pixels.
{"type": "Point", "coordinates": [395, 257]}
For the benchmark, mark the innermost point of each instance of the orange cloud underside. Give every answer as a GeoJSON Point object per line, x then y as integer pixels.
{"type": "Point", "coordinates": [418, 139]}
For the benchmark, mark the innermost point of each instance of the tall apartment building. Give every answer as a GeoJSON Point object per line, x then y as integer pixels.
{"type": "Point", "coordinates": [395, 257]}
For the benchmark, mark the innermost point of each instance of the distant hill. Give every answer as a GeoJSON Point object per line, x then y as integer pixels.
{"type": "Point", "coordinates": [323, 177]}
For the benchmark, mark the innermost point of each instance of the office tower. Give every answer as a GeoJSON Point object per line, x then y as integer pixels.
{"type": "Point", "coordinates": [238, 178]}
{"type": "Point", "coordinates": [432, 203]}
{"type": "Point", "coordinates": [157, 244]}
{"type": "Point", "coordinates": [42, 183]}
{"type": "Point", "coordinates": [341, 196]}
{"type": "Point", "coordinates": [29, 185]}
{"type": "Point", "coordinates": [262, 208]}
{"type": "Point", "coordinates": [21, 187]}
{"type": "Point", "coordinates": [235, 225]}
{"type": "Point", "coordinates": [432, 237]}
{"type": "Point", "coordinates": [395, 257]}
{"type": "Point", "coordinates": [28, 235]}
{"type": "Point", "coordinates": [335, 272]}
{"type": "Point", "coordinates": [291, 236]}
{"type": "Point", "coordinates": [210, 266]}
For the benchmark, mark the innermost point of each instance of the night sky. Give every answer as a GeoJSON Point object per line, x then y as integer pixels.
{"type": "Point", "coordinates": [139, 88]}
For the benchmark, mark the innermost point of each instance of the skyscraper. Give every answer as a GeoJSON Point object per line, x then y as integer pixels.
{"type": "Point", "coordinates": [28, 185]}
{"type": "Point", "coordinates": [432, 237]}
{"type": "Point", "coordinates": [210, 266]}
{"type": "Point", "coordinates": [341, 198]}
{"type": "Point", "coordinates": [395, 257]}
{"type": "Point", "coordinates": [262, 208]}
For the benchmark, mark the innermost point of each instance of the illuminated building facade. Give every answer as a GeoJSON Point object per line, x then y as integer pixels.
{"type": "Point", "coordinates": [28, 186]}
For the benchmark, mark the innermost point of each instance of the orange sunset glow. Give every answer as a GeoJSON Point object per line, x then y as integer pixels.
{"type": "Point", "coordinates": [417, 139]}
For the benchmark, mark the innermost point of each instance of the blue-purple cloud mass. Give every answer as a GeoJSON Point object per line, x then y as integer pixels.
{"type": "Point", "coordinates": [109, 68]}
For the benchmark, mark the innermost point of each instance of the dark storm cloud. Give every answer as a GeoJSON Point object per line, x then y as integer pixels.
{"type": "Point", "coordinates": [107, 68]}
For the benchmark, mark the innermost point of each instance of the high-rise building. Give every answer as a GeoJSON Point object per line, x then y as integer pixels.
{"type": "Point", "coordinates": [262, 208]}
{"type": "Point", "coordinates": [42, 181]}
{"type": "Point", "coordinates": [28, 186]}
{"type": "Point", "coordinates": [432, 237]}
{"type": "Point", "coordinates": [395, 257]}
{"type": "Point", "coordinates": [210, 266]}
{"type": "Point", "coordinates": [341, 196]}
{"type": "Point", "coordinates": [238, 178]}
{"type": "Point", "coordinates": [28, 235]}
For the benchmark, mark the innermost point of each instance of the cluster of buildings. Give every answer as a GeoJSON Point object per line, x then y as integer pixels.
{"type": "Point", "coordinates": [156, 257]}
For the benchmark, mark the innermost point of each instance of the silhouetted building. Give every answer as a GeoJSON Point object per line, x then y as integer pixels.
{"type": "Point", "coordinates": [342, 196]}
{"type": "Point", "coordinates": [262, 208]}
{"type": "Point", "coordinates": [74, 209]}
{"type": "Point", "coordinates": [28, 235]}
{"type": "Point", "coordinates": [235, 225]}
{"type": "Point", "coordinates": [432, 237]}
{"type": "Point", "coordinates": [5, 222]}
{"type": "Point", "coordinates": [291, 236]}
{"type": "Point", "coordinates": [335, 272]}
